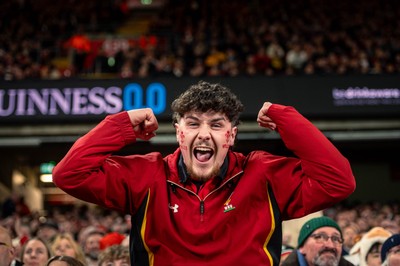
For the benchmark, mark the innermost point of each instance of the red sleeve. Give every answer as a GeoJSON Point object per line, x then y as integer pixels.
{"type": "Point", "coordinates": [319, 177]}
{"type": "Point", "coordinates": [91, 173]}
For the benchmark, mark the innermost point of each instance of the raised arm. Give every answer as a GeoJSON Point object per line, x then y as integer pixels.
{"type": "Point", "coordinates": [90, 172]}
{"type": "Point", "coordinates": [319, 177]}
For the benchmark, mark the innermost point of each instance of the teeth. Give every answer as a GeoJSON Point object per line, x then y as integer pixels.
{"type": "Point", "coordinates": [203, 154]}
{"type": "Point", "coordinates": [203, 149]}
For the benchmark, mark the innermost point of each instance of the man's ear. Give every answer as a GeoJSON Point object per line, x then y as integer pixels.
{"type": "Point", "coordinates": [233, 136]}
{"type": "Point", "coordinates": [12, 252]}
{"type": "Point", "coordinates": [176, 126]}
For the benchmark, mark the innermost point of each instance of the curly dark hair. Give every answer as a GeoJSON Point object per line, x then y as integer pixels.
{"type": "Point", "coordinates": [203, 97]}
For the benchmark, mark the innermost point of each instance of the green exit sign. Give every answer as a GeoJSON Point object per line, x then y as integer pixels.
{"type": "Point", "coordinates": [47, 168]}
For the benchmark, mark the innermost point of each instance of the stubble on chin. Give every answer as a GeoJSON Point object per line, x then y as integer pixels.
{"type": "Point", "coordinates": [202, 177]}
{"type": "Point", "coordinates": [326, 261]}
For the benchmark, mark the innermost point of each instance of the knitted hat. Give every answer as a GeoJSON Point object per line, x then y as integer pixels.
{"type": "Point", "coordinates": [392, 241]}
{"type": "Point", "coordinates": [310, 226]}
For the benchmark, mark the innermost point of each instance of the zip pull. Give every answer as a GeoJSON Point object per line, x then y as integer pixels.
{"type": "Point", "coordinates": [201, 211]}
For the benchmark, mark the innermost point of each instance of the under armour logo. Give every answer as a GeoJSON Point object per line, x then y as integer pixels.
{"type": "Point", "coordinates": [175, 207]}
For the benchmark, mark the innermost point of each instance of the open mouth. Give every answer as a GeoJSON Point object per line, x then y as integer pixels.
{"type": "Point", "coordinates": [203, 154]}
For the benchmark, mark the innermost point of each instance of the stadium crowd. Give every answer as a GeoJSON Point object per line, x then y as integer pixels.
{"type": "Point", "coordinates": [202, 38]}
{"type": "Point", "coordinates": [86, 232]}
{"type": "Point", "coordinates": [197, 39]}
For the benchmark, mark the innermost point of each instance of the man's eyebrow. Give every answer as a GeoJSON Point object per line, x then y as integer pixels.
{"type": "Point", "coordinates": [218, 119]}
{"type": "Point", "coordinates": [191, 117]}
{"type": "Point", "coordinates": [214, 120]}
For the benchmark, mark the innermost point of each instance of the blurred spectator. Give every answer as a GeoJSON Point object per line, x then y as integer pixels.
{"type": "Point", "coordinates": [114, 255]}
{"type": "Point", "coordinates": [47, 230]}
{"type": "Point", "coordinates": [296, 57]}
{"type": "Point", "coordinates": [391, 225]}
{"type": "Point", "coordinates": [66, 261]}
{"type": "Point", "coordinates": [22, 233]}
{"type": "Point", "coordinates": [35, 252]}
{"type": "Point", "coordinates": [262, 61]}
{"type": "Point", "coordinates": [7, 251]}
{"type": "Point", "coordinates": [276, 53]}
{"type": "Point", "coordinates": [390, 253]}
{"type": "Point", "coordinates": [91, 247]}
{"type": "Point", "coordinates": [351, 235]}
{"type": "Point", "coordinates": [65, 244]}
{"type": "Point", "coordinates": [79, 47]}
{"type": "Point", "coordinates": [366, 252]}
{"type": "Point", "coordinates": [178, 68]}
{"type": "Point", "coordinates": [198, 69]}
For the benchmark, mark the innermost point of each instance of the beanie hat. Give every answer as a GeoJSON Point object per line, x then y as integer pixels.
{"type": "Point", "coordinates": [361, 249]}
{"type": "Point", "coordinates": [312, 225]}
{"type": "Point", "coordinates": [392, 241]}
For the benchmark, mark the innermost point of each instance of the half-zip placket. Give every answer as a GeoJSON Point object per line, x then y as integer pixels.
{"type": "Point", "coordinates": [202, 207]}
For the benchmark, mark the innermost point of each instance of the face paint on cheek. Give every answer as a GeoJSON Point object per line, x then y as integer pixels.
{"type": "Point", "coordinates": [227, 135]}
{"type": "Point", "coordinates": [227, 138]}
{"type": "Point", "coordinates": [181, 141]}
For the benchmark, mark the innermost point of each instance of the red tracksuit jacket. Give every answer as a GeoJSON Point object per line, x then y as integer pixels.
{"type": "Point", "coordinates": [234, 219]}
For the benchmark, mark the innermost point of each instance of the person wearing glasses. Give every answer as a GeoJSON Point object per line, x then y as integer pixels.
{"type": "Point", "coordinates": [319, 244]}
{"type": "Point", "coordinates": [390, 252]}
